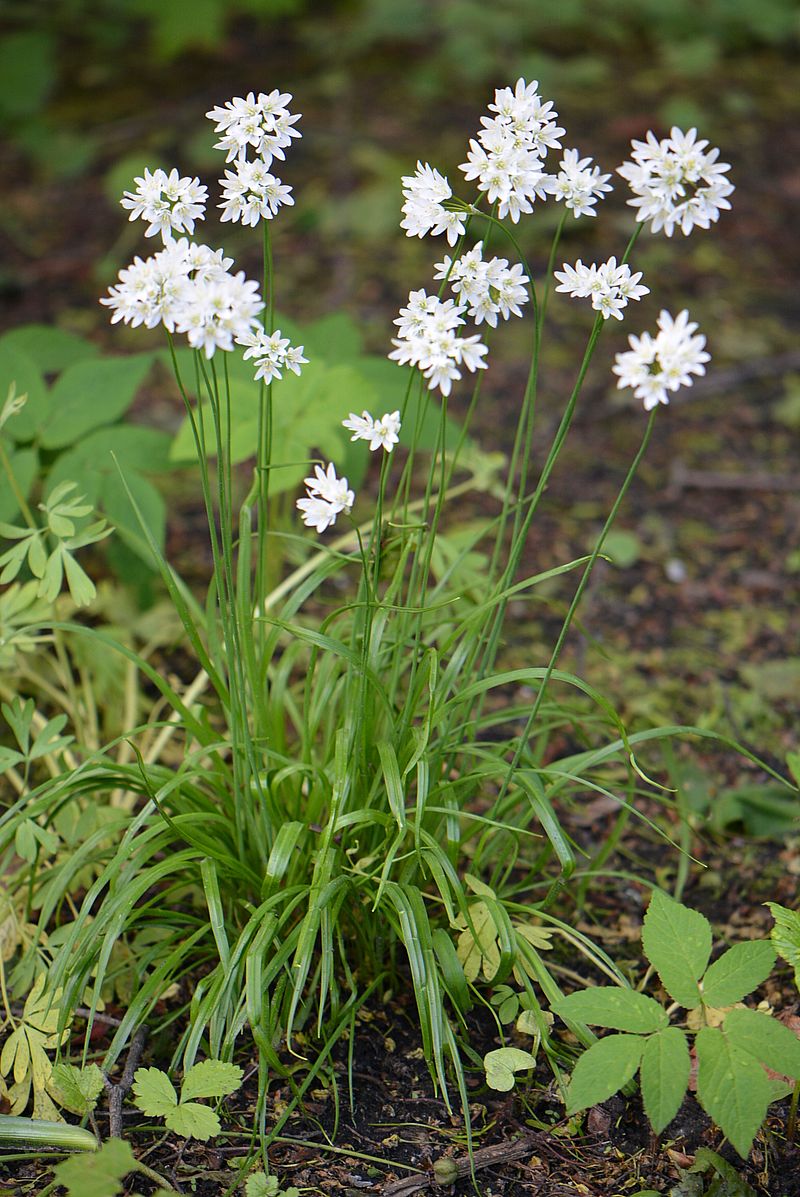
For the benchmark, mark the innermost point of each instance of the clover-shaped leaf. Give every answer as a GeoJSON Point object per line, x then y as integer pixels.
{"type": "Point", "coordinates": [155, 1095]}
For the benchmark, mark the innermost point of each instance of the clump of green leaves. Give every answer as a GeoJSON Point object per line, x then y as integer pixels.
{"type": "Point", "coordinates": [155, 1096]}
{"type": "Point", "coordinates": [732, 1043]}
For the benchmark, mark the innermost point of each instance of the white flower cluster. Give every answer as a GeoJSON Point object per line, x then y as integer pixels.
{"type": "Point", "coordinates": [424, 193]}
{"type": "Point", "coordinates": [609, 286]}
{"type": "Point", "coordinates": [271, 353]}
{"type": "Point", "coordinates": [655, 366]}
{"type": "Point", "coordinates": [489, 287]}
{"type": "Point", "coordinates": [677, 182]}
{"type": "Point", "coordinates": [381, 434]}
{"type": "Point", "coordinates": [508, 157]}
{"type": "Point", "coordinates": [327, 497]}
{"type": "Point", "coordinates": [578, 184]}
{"type": "Point", "coordinates": [169, 203]}
{"type": "Point", "coordinates": [427, 339]}
{"type": "Point", "coordinates": [264, 126]}
{"type": "Point", "coordinates": [189, 289]}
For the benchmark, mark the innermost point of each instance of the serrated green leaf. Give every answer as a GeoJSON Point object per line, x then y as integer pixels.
{"type": "Point", "coordinates": [738, 972]}
{"type": "Point", "coordinates": [765, 1038]}
{"type": "Point", "coordinates": [77, 1089]}
{"type": "Point", "coordinates": [611, 1006]}
{"type": "Point", "coordinates": [603, 1069]}
{"type": "Point", "coordinates": [500, 1066]}
{"type": "Point", "coordinates": [211, 1078]}
{"type": "Point", "coordinates": [98, 1175]}
{"type": "Point", "coordinates": [732, 1087]}
{"type": "Point", "coordinates": [785, 936]}
{"type": "Point", "coordinates": [90, 394]}
{"type": "Point", "coordinates": [154, 1093]}
{"type": "Point", "coordinates": [677, 942]}
{"type": "Point", "coordinates": [193, 1121]}
{"type": "Point", "coordinates": [261, 1185]}
{"type": "Point", "coordinates": [664, 1076]}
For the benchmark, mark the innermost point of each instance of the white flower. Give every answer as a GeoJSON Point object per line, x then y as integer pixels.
{"type": "Point", "coordinates": [579, 185]}
{"type": "Point", "coordinates": [188, 288]}
{"type": "Point", "coordinates": [424, 193]}
{"type": "Point", "coordinates": [427, 339]}
{"type": "Point", "coordinates": [677, 182]}
{"type": "Point", "coordinates": [272, 354]}
{"type": "Point", "coordinates": [169, 203]}
{"type": "Point", "coordinates": [262, 124]}
{"type": "Point", "coordinates": [213, 314]}
{"type": "Point", "coordinates": [381, 434]}
{"type": "Point", "coordinates": [250, 193]}
{"type": "Point", "coordinates": [490, 288]}
{"type": "Point", "coordinates": [327, 497]}
{"type": "Point", "coordinates": [610, 286]}
{"type": "Point", "coordinates": [654, 366]}
{"type": "Point", "coordinates": [507, 159]}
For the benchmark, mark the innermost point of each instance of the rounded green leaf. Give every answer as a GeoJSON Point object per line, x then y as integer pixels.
{"type": "Point", "coordinates": [677, 942]}
{"type": "Point", "coordinates": [611, 1006]}
{"type": "Point", "coordinates": [500, 1066]}
{"type": "Point", "coordinates": [664, 1076]}
{"type": "Point", "coordinates": [738, 972]}
{"type": "Point", "coordinates": [91, 393]}
{"type": "Point", "coordinates": [603, 1069]}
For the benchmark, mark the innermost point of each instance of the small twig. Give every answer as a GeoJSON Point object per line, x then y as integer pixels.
{"type": "Point", "coordinates": [501, 1153]}
{"type": "Point", "coordinates": [118, 1092]}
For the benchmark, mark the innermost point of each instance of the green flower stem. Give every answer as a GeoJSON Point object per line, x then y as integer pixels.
{"type": "Point", "coordinates": [523, 739]}
{"type": "Point", "coordinates": [18, 495]}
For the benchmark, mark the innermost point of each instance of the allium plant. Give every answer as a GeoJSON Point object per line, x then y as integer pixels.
{"type": "Point", "coordinates": [350, 792]}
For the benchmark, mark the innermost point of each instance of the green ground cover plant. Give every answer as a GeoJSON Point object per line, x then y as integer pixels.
{"type": "Point", "coordinates": [337, 794]}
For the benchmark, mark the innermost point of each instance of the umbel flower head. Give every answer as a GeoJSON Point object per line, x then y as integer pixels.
{"type": "Point", "coordinates": [489, 287]}
{"type": "Point", "coordinates": [424, 194]}
{"type": "Point", "coordinates": [381, 434]}
{"type": "Point", "coordinates": [677, 182]}
{"type": "Point", "coordinates": [271, 353]}
{"type": "Point", "coordinates": [327, 497]}
{"type": "Point", "coordinates": [189, 289]}
{"type": "Point", "coordinates": [508, 157]}
{"type": "Point", "coordinates": [609, 286]}
{"type": "Point", "coordinates": [655, 366]}
{"type": "Point", "coordinates": [427, 339]}
{"type": "Point", "coordinates": [579, 185]}
{"type": "Point", "coordinates": [256, 129]}
{"type": "Point", "coordinates": [170, 204]}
